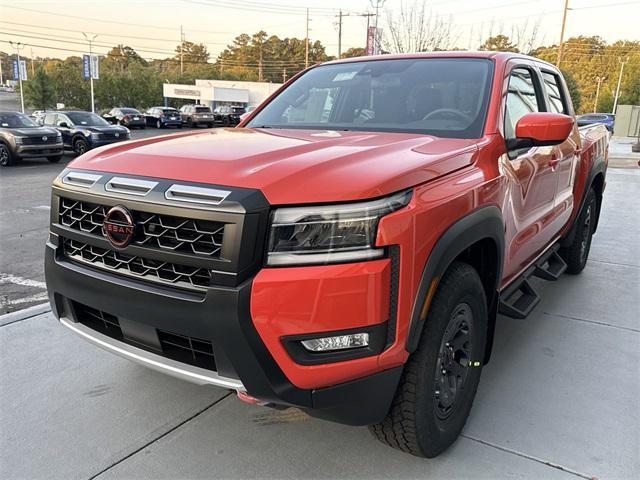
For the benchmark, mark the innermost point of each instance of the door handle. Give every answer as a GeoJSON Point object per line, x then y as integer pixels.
{"type": "Point", "coordinates": [554, 160]}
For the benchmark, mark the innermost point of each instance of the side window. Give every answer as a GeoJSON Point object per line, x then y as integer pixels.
{"type": "Point", "coordinates": [50, 119]}
{"type": "Point", "coordinates": [521, 99]}
{"type": "Point", "coordinates": [63, 119]}
{"type": "Point", "coordinates": [557, 101]}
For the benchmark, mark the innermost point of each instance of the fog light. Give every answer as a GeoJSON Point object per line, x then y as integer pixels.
{"type": "Point", "coordinates": [339, 342]}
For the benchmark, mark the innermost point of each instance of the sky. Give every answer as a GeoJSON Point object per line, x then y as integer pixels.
{"type": "Point", "coordinates": [152, 27]}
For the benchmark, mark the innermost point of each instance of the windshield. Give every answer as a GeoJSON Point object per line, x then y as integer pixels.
{"type": "Point", "coordinates": [169, 111]}
{"type": "Point", "coordinates": [240, 110]}
{"type": "Point", "coordinates": [87, 119]}
{"type": "Point", "coordinates": [16, 120]}
{"type": "Point", "coordinates": [130, 111]}
{"type": "Point", "coordinates": [446, 97]}
{"type": "Point", "coordinates": [203, 110]}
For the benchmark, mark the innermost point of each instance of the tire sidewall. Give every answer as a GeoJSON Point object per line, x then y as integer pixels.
{"type": "Point", "coordinates": [9, 159]}
{"type": "Point", "coordinates": [592, 204]}
{"type": "Point", "coordinates": [77, 142]}
{"type": "Point", "coordinates": [433, 434]}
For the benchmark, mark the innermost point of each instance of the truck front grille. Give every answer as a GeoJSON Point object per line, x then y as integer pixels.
{"type": "Point", "coordinates": [190, 350]}
{"type": "Point", "coordinates": [50, 139]}
{"type": "Point", "coordinates": [163, 232]}
{"type": "Point", "coordinates": [136, 266]}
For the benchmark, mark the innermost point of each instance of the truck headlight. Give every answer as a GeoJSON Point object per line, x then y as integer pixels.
{"type": "Point", "coordinates": [19, 140]}
{"type": "Point", "coordinates": [329, 233]}
{"type": "Point", "coordinates": [88, 134]}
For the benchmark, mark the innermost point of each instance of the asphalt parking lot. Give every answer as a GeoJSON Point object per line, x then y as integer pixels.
{"type": "Point", "coordinates": [558, 400]}
{"type": "Point", "coordinates": [24, 218]}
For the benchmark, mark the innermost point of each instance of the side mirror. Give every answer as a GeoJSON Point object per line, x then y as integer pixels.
{"type": "Point", "coordinates": [63, 125]}
{"type": "Point", "coordinates": [541, 129]}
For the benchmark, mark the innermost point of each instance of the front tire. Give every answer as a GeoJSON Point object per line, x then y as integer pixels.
{"type": "Point", "coordinates": [7, 158]}
{"type": "Point", "coordinates": [80, 146]}
{"type": "Point", "coordinates": [158, 124]}
{"type": "Point", "coordinates": [441, 377]}
{"type": "Point", "coordinates": [576, 254]}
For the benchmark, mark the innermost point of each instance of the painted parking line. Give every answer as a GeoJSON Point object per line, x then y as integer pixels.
{"type": "Point", "coordinates": [25, 282]}
{"type": "Point", "coordinates": [39, 297]}
{"type": "Point", "coordinates": [42, 207]}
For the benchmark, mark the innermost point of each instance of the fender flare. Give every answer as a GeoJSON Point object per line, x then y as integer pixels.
{"type": "Point", "coordinates": [486, 222]}
{"type": "Point", "coordinates": [597, 168]}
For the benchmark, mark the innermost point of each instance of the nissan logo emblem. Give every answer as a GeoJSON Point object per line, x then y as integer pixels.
{"type": "Point", "coordinates": [44, 139]}
{"type": "Point", "coordinates": [118, 227]}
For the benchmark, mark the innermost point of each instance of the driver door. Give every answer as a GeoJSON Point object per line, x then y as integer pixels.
{"type": "Point", "coordinates": [531, 173]}
{"type": "Point", "coordinates": [64, 124]}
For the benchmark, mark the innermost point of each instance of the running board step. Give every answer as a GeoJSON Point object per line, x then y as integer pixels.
{"type": "Point", "coordinates": [550, 266]}
{"type": "Point", "coordinates": [519, 300]}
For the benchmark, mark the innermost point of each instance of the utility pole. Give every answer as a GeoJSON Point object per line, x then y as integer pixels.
{"type": "Point", "coordinates": [340, 35]}
{"type": "Point", "coordinates": [595, 104]}
{"type": "Point", "coordinates": [376, 38]}
{"type": "Point", "coordinates": [564, 21]}
{"type": "Point", "coordinates": [306, 43]}
{"type": "Point", "coordinates": [615, 102]}
{"type": "Point", "coordinates": [1, 77]}
{"type": "Point", "coordinates": [18, 46]}
{"type": "Point", "coordinates": [90, 40]}
{"type": "Point", "coordinates": [33, 70]}
{"type": "Point", "coordinates": [181, 50]}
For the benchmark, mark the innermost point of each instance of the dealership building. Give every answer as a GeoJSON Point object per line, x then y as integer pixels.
{"type": "Point", "coordinates": [217, 93]}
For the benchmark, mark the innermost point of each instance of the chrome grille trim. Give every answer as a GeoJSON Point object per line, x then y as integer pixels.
{"type": "Point", "coordinates": [81, 179]}
{"type": "Point", "coordinates": [157, 271]}
{"type": "Point", "coordinates": [130, 186]}
{"type": "Point", "coordinates": [186, 193]}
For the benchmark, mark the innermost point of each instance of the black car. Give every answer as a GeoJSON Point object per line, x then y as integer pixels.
{"type": "Point", "coordinates": [82, 131]}
{"type": "Point", "coordinates": [129, 117]}
{"type": "Point", "coordinates": [161, 117]}
{"type": "Point", "coordinates": [607, 119]}
{"type": "Point", "coordinates": [21, 137]}
{"type": "Point", "coordinates": [228, 116]}
{"type": "Point", "coordinates": [194, 115]}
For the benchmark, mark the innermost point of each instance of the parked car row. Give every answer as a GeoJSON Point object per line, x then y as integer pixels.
{"type": "Point", "coordinates": [192, 115]}
{"type": "Point", "coordinates": [48, 134]}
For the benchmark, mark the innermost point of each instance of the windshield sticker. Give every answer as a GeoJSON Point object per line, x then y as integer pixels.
{"type": "Point", "coordinates": [344, 76]}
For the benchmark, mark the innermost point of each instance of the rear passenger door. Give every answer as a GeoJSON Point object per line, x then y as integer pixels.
{"type": "Point", "coordinates": [532, 175]}
{"type": "Point", "coordinates": [565, 155]}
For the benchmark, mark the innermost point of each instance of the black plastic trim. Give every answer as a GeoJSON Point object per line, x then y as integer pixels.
{"type": "Point", "coordinates": [485, 222]}
{"type": "Point", "coordinates": [299, 354]}
{"type": "Point", "coordinates": [597, 168]}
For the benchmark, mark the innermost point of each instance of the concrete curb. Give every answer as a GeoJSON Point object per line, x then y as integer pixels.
{"type": "Point", "coordinates": [20, 315]}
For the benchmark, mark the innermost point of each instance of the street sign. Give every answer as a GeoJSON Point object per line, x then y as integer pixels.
{"type": "Point", "coordinates": [95, 72]}
{"type": "Point", "coordinates": [23, 69]}
{"type": "Point", "coordinates": [90, 67]}
{"type": "Point", "coordinates": [19, 69]}
{"type": "Point", "coordinates": [86, 66]}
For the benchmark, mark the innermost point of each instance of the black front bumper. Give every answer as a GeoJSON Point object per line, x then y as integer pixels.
{"type": "Point", "coordinates": [221, 315]}
{"type": "Point", "coordinates": [39, 151]}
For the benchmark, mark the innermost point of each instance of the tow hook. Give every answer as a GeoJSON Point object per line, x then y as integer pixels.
{"type": "Point", "coordinates": [246, 398]}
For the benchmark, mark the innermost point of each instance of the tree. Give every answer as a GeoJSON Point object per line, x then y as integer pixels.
{"type": "Point", "coordinates": [39, 92]}
{"type": "Point", "coordinates": [411, 29]}
{"type": "Point", "coordinates": [192, 52]}
{"type": "Point", "coordinates": [70, 87]}
{"type": "Point", "coordinates": [499, 43]}
{"type": "Point", "coordinates": [574, 90]}
{"type": "Point", "coordinates": [122, 57]}
{"type": "Point", "coordinates": [354, 52]}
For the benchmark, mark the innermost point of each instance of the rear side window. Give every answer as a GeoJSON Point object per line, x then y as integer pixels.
{"type": "Point", "coordinates": [521, 99]}
{"type": "Point", "coordinates": [557, 101]}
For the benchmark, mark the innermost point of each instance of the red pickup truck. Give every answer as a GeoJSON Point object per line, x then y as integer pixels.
{"type": "Point", "coordinates": [347, 249]}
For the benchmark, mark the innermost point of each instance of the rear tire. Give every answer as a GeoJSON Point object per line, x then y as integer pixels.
{"type": "Point", "coordinates": [158, 124]}
{"type": "Point", "coordinates": [7, 158]}
{"type": "Point", "coordinates": [441, 377]}
{"type": "Point", "coordinates": [576, 254]}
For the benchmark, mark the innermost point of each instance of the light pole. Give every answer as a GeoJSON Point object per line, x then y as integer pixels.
{"type": "Point", "coordinates": [615, 102]}
{"type": "Point", "coordinates": [564, 21]}
{"type": "Point", "coordinates": [595, 104]}
{"type": "Point", "coordinates": [18, 46]}
{"type": "Point", "coordinates": [90, 39]}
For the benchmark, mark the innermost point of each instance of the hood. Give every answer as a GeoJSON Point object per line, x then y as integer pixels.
{"type": "Point", "coordinates": [289, 166]}
{"type": "Point", "coordinates": [105, 129]}
{"type": "Point", "coordinates": [33, 132]}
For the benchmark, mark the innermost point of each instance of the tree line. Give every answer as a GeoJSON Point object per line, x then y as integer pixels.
{"type": "Point", "coordinates": [127, 79]}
